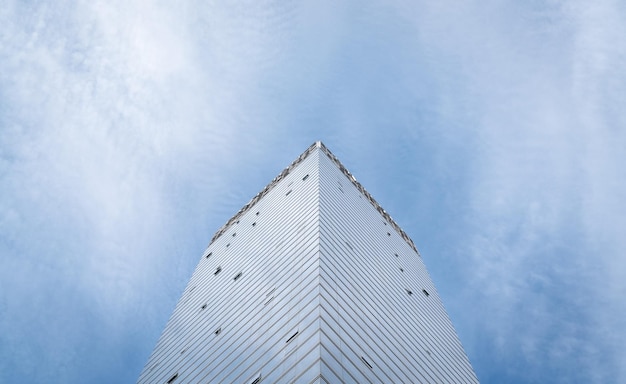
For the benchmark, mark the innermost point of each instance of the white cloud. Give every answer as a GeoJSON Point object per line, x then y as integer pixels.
{"type": "Point", "coordinates": [120, 120]}
{"type": "Point", "coordinates": [546, 180]}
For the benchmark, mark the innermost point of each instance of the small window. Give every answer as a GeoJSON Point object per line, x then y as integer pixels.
{"type": "Point", "coordinates": [171, 380]}
{"type": "Point", "coordinates": [425, 292]}
{"type": "Point", "coordinates": [397, 255]}
{"type": "Point", "coordinates": [234, 234]}
{"type": "Point", "coordinates": [401, 270]}
{"type": "Point", "coordinates": [305, 177]}
{"type": "Point", "coordinates": [409, 292]}
{"type": "Point", "coordinates": [203, 306]}
{"type": "Point", "coordinates": [257, 380]}
{"type": "Point", "coordinates": [253, 224]}
{"type": "Point", "coordinates": [257, 213]}
{"type": "Point", "coordinates": [237, 222]}
{"type": "Point", "coordinates": [292, 337]}
{"type": "Point", "coordinates": [218, 270]}
{"type": "Point", "coordinates": [388, 234]}
{"type": "Point", "coordinates": [287, 194]}
{"type": "Point", "coordinates": [227, 245]}
{"type": "Point", "coordinates": [237, 276]}
{"type": "Point", "coordinates": [209, 255]}
{"type": "Point", "coordinates": [366, 362]}
{"type": "Point", "coordinates": [218, 331]}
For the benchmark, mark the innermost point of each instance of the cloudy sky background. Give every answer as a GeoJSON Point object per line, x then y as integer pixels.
{"type": "Point", "coordinates": [492, 131]}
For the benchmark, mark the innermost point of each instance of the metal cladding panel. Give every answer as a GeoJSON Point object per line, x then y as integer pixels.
{"type": "Point", "coordinates": [310, 282]}
{"type": "Point", "coordinates": [382, 318]}
{"type": "Point", "coordinates": [251, 308]}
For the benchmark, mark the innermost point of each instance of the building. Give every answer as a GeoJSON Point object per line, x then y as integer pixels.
{"type": "Point", "coordinates": [310, 282]}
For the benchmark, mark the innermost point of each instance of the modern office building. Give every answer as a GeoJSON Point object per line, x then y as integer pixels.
{"type": "Point", "coordinates": [310, 282]}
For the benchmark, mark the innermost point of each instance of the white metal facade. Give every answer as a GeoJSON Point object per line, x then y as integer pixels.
{"type": "Point", "coordinates": [311, 282]}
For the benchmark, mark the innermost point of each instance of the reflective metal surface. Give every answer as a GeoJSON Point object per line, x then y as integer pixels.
{"type": "Point", "coordinates": [308, 283]}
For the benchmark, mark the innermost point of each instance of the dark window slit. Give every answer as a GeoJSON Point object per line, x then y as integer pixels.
{"type": "Point", "coordinates": [366, 362]}
{"type": "Point", "coordinates": [292, 337]}
{"type": "Point", "coordinates": [171, 380]}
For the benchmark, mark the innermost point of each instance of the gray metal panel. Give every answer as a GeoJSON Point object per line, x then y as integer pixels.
{"type": "Point", "coordinates": [367, 271]}
{"type": "Point", "coordinates": [227, 330]}
{"type": "Point", "coordinates": [310, 282]}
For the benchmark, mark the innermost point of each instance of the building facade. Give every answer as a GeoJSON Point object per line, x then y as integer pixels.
{"type": "Point", "coordinates": [310, 282]}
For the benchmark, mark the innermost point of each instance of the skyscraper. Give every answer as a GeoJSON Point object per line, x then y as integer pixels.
{"type": "Point", "coordinates": [310, 282]}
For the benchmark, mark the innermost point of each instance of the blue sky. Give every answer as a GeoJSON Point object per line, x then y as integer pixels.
{"type": "Point", "coordinates": [492, 131]}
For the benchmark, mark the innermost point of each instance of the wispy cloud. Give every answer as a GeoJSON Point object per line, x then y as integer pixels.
{"type": "Point", "coordinates": [493, 132]}
{"type": "Point", "coordinates": [544, 203]}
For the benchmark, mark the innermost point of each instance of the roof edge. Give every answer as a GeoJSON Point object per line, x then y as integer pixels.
{"type": "Point", "coordinates": [265, 190]}
{"type": "Point", "coordinates": [287, 171]}
{"type": "Point", "coordinates": [369, 197]}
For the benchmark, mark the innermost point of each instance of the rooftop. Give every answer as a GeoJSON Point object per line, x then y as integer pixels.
{"type": "Point", "coordinates": [286, 171]}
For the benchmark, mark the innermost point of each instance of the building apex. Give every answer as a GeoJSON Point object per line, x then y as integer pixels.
{"type": "Point", "coordinates": [316, 145]}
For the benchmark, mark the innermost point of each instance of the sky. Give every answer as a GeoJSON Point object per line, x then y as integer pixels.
{"type": "Point", "coordinates": [493, 132]}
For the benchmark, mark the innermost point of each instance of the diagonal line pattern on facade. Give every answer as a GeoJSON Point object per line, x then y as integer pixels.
{"type": "Point", "coordinates": [310, 282]}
